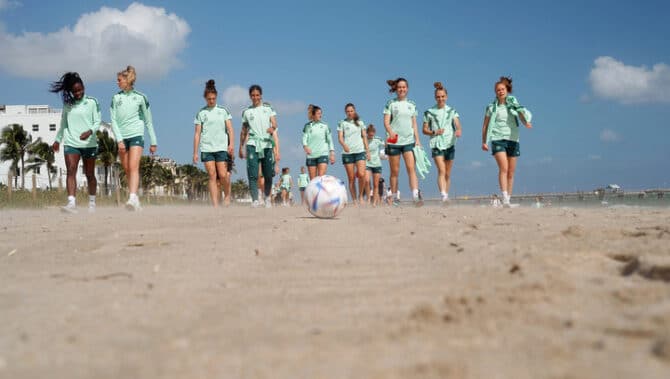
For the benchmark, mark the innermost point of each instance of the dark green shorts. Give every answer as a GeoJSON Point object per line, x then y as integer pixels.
{"type": "Point", "coordinates": [353, 157]}
{"type": "Point", "coordinates": [375, 170]}
{"type": "Point", "coordinates": [134, 141]}
{"type": "Point", "coordinates": [313, 162]}
{"type": "Point", "coordinates": [511, 148]}
{"type": "Point", "coordinates": [448, 154]}
{"type": "Point", "coordinates": [302, 189]}
{"type": "Point", "coordinates": [84, 152]}
{"type": "Point", "coordinates": [216, 156]}
{"type": "Point", "coordinates": [393, 150]}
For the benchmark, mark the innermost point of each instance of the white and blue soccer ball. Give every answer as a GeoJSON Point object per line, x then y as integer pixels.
{"type": "Point", "coordinates": [325, 196]}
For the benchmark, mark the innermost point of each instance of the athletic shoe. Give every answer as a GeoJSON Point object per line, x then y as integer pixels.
{"type": "Point", "coordinates": [268, 202]}
{"type": "Point", "coordinates": [446, 202]}
{"type": "Point", "coordinates": [418, 200]}
{"type": "Point", "coordinates": [506, 203]}
{"type": "Point", "coordinates": [69, 208]}
{"type": "Point", "coordinates": [91, 207]}
{"type": "Point", "coordinates": [396, 202]}
{"type": "Point", "coordinates": [255, 204]}
{"type": "Point", "coordinates": [133, 205]}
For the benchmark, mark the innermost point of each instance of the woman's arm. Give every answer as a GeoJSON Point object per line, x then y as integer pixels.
{"type": "Point", "coordinates": [416, 132]}
{"type": "Point", "coordinates": [231, 137]}
{"type": "Point", "coordinates": [340, 139]}
{"type": "Point", "coordinates": [485, 129]}
{"type": "Point", "coordinates": [196, 142]}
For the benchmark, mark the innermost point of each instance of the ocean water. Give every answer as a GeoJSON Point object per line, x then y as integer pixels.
{"type": "Point", "coordinates": [587, 200]}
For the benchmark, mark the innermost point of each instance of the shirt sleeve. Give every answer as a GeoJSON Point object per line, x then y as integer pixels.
{"type": "Point", "coordinates": [387, 107]}
{"type": "Point", "coordinates": [305, 139]}
{"type": "Point", "coordinates": [196, 120]}
{"type": "Point", "coordinates": [63, 125]}
{"type": "Point", "coordinates": [329, 139]}
{"type": "Point", "coordinates": [339, 126]}
{"type": "Point", "coordinates": [115, 124]}
{"type": "Point", "coordinates": [148, 122]}
{"type": "Point", "coordinates": [96, 116]}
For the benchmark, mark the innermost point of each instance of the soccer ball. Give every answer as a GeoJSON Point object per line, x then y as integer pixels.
{"type": "Point", "coordinates": [325, 196]}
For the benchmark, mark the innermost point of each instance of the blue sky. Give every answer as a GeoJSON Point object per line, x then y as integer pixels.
{"type": "Point", "coordinates": [594, 73]}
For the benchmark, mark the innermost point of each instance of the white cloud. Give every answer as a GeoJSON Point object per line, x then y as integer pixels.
{"type": "Point", "coordinates": [236, 98]}
{"type": "Point", "coordinates": [99, 45]}
{"type": "Point", "coordinates": [7, 4]}
{"type": "Point", "coordinates": [289, 107]}
{"type": "Point", "coordinates": [608, 135]}
{"type": "Point", "coordinates": [476, 164]}
{"type": "Point", "coordinates": [612, 79]}
{"type": "Point", "coordinates": [594, 157]}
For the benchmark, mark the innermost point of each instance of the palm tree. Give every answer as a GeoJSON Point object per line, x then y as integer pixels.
{"type": "Point", "coordinates": [108, 151]}
{"type": "Point", "coordinates": [195, 180]}
{"type": "Point", "coordinates": [17, 142]}
{"type": "Point", "coordinates": [239, 188]}
{"type": "Point", "coordinates": [42, 153]}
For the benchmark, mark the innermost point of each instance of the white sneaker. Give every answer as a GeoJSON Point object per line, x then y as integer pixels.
{"type": "Point", "coordinates": [133, 205]}
{"type": "Point", "coordinates": [268, 202]}
{"type": "Point", "coordinates": [91, 207]}
{"type": "Point", "coordinates": [69, 208]}
{"type": "Point", "coordinates": [418, 201]}
{"type": "Point", "coordinates": [255, 204]}
{"type": "Point", "coordinates": [506, 203]}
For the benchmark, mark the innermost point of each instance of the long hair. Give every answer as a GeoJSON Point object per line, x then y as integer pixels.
{"type": "Point", "coordinates": [506, 81]}
{"type": "Point", "coordinates": [130, 74]}
{"type": "Point", "coordinates": [356, 118]}
{"type": "Point", "coordinates": [393, 84]}
{"type": "Point", "coordinates": [64, 86]}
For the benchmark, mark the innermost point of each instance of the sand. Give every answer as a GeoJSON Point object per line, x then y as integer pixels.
{"type": "Point", "coordinates": [459, 292]}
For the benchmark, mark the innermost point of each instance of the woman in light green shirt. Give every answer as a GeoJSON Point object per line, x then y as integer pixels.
{"type": "Point", "coordinates": [351, 135]}
{"type": "Point", "coordinates": [303, 181]}
{"type": "Point", "coordinates": [317, 143]}
{"type": "Point", "coordinates": [215, 139]}
{"type": "Point", "coordinates": [80, 121]}
{"type": "Point", "coordinates": [131, 114]}
{"type": "Point", "coordinates": [442, 124]}
{"type": "Point", "coordinates": [501, 127]}
{"type": "Point", "coordinates": [403, 136]}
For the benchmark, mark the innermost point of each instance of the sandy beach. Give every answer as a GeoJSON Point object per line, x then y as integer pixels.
{"type": "Point", "coordinates": [432, 292]}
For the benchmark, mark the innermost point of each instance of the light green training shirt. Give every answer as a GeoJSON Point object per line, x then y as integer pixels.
{"type": "Point", "coordinates": [375, 145]}
{"type": "Point", "coordinates": [504, 125]}
{"type": "Point", "coordinates": [258, 119]}
{"type": "Point", "coordinates": [316, 136]}
{"type": "Point", "coordinates": [352, 135]}
{"type": "Point", "coordinates": [441, 119]}
{"type": "Point", "coordinates": [303, 180]}
{"type": "Point", "coordinates": [76, 119]}
{"type": "Point", "coordinates": [213, 135]}
{"type": "Point", "coordinates": [401, 113]}
{"type": "Point", "coordinates": [286, 181]}
{"type": "Point", "coordinates": [130, 115]}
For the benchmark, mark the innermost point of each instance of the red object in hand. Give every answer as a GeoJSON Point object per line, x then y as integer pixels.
{"type": "Point", "coordinates": [393, 139]}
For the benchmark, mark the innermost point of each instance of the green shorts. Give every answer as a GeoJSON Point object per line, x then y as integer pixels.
{"type": "Point", "coordinates": [394, 150]}
{"type": "Point", "coordinates": [302, 189]}
{"type": "Point", "coordinates": [134, 141]}
{"type": "Point", "coordinates": [353, 157]}
{"type": "Point", "coordinates": [84, 152]}
{"type": "Point", "coordinates": [511, 148]}
{"type": "Point", "coordinates": [448, 154]}
{"type": "Point", "coordinates": [375, 170]}
{"type": "Point", "coordinates": [216, 156]}
{"type": "Point", "coordinates": [313, 162]}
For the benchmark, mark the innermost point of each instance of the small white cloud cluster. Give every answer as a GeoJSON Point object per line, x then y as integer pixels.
{"type": "Point", "coordinates": [612, 79]}
{"type": "Point", "coordinates": [99, 45]}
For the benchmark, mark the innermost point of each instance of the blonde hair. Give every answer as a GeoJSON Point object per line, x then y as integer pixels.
{"type": "Point", "coordinates": [129, 74]}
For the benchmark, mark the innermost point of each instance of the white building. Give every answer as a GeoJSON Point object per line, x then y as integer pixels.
{"type": "Point", "coordinates": [42, 121]}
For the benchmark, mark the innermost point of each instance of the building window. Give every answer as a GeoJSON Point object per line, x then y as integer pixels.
{"type": "Point", "coordinates": [37, 171]}
{"type": "Point", "coordinates": [36, 128]}
{"type": "Point", "coordinates": [52, 127]}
